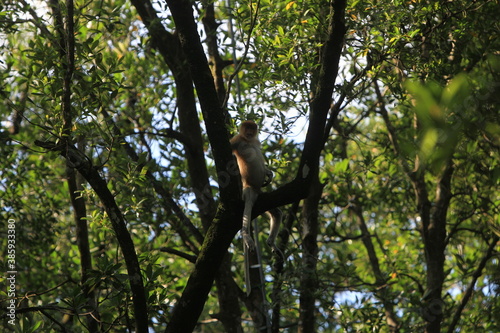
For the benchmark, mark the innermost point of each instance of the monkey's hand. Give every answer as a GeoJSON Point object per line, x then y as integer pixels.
{"type": "Point", "coordinates": [269, 178]}
{"type": "Point", "coordinates": [248, 242]}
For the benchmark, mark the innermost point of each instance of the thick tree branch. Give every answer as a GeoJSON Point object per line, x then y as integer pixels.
{"type": "Point", "coordinates": [216, 62]}
{"type": "Point", "coordinates": [76, 159]}
{"type": "Point", "coordinates": [228, 219]}
{"type": "Point", "coordinates": [82, 240]}
{"type": "Point", "coordinates": [213, 113]}
{"type": "Point", "coordinates": [66, 47]}
{"type": "Point", "coordinates": [309, 165]}
{"type": "Point", "coordinates": [169, 47]}
{"type": "Point", "coordinates": [218, 238]}
{"type": "Point", "coordinates": [276, 295]}
{"type": "Point", "coordinates": [320, 105]}
{"type": "Point", "coordinates": [434, 236]}
{"type": "Point", "coordinates": [433, 220]}
{"type": "Point", "coordinates": [227, 222]}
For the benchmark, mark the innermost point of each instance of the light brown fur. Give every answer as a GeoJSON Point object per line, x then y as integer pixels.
{"type": "Point", "coordinates": [254, 175]}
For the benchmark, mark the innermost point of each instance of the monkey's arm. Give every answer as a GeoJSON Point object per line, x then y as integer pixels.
{"type": "Point", "coordinates": [235, 143]}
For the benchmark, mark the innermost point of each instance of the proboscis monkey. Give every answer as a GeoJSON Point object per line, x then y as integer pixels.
{"type": "Point", "coordinates": [254, 175]}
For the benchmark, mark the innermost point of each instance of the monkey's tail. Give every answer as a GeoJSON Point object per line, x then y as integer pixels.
{"type": "Point", "coordinates": [248, 285]}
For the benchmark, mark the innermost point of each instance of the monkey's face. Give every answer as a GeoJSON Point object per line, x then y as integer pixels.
{"type": "Point", "coordinates": [249, 133]}
{"type": "Point", "coordinates": [249, 130]}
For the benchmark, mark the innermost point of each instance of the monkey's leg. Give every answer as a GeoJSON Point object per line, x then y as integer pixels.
{"type": "Point", "coordinates": [249, 196]}
{"type": "Point", "coordinates": [275, 216]}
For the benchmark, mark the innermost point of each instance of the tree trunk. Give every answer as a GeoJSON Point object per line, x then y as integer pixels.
{"type": "Point", "coordinates": [308, 277]}
{"type": "Point", "coordinates": [434, 234]}
{"type": "Point", "coordinates": [228, 294]}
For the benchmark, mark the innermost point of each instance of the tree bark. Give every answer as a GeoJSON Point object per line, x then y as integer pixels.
{"type": "Point", "coordinates": [82, 239]}
{"type": "Point", "coordinates": [229, 294]}
{"type": "Point", "coordinates": [217, 240]}
{"type": "Point", "coordinates": [434, 236]}
{"type": "Point", "coordinates": [308, 276]}
{"type": "Point", "coordinates": [309, 164]}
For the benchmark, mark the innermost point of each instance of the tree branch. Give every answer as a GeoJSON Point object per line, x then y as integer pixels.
{"type": "Point", "coordinates": [320, 105]}
{"type": "Point", "coordinates": [160, 189]}
{"type": "Point", "coordinates": [178, 253]}
{"type": "Point", "coordinates": [170, 48]}
{"type": "Point", "coordinates": [309, 164]}
{"type": "Point", "coordinates": [76, 159]}
{"type": "Point", "coordinates": [470, 289]}
{"type": "Point", "coordinates": [228, 219]}
{"type": "Point", "coordinates": [213, 113]}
